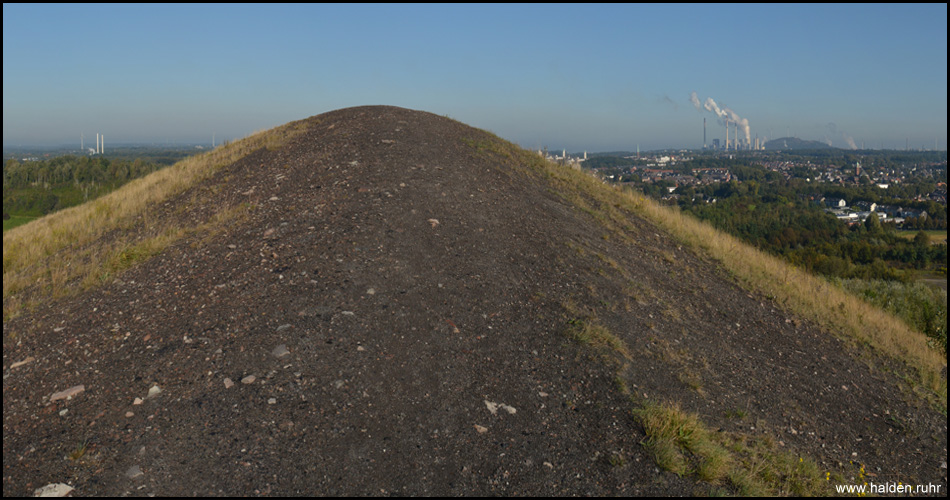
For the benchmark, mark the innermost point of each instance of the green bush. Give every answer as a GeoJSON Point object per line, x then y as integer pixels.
{"type": "Point", "coordinates": [922, 307]}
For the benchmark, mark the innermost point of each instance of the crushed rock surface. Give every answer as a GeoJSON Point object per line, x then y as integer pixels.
{"type": "Point", "coordinates": [389, 318]}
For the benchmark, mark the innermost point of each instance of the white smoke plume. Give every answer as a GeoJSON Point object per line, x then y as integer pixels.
{"type": "Point", "coordinates": [723, 114]}
{"type": "Point", "coordinates": [711, 106]}
{"type": "Point", "coordinates": [726, 113]}
{"type": "Point", "coordinates": [833, 129]}
{"type": "Point", "coordinates": [693, 98]}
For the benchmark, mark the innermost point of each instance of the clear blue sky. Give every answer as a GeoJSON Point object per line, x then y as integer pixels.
{"type": "Point", "coordinates": [580, 77]}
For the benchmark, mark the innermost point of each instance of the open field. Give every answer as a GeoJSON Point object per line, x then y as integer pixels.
{"type": "Point", "coordinates": [16, 220]}
{"type": "Point", "coordinates": [935, 236]}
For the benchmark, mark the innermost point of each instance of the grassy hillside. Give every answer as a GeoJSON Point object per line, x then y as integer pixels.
{"type": "Point", "coordinates": [812, 297]}
{"type": "Point", "coordinates": [82, 246]}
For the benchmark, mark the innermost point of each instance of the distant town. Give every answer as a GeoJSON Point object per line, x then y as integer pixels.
{"type": "Point", "coordinates": [889, 174]}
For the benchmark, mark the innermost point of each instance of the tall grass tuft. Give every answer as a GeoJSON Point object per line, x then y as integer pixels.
{"type": "Point", "coordinates": [594, 334]}
{"type": "Point", "coordinates": [682, 444]}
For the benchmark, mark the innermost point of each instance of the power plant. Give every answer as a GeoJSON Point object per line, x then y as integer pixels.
{"type": "Point", "coordinates": [733, 143]}
{"type": "Point", "coordinates": [727, 117]}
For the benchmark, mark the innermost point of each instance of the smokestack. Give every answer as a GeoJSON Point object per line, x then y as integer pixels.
{"type": "Point", "coordinates": [727, 135]}
{"type": "Point", "coordinates": [704, 133]}
{"type": "Point", "coordinates": [103, 144]}
{"type": "Point", "coordinates": [97, 142]}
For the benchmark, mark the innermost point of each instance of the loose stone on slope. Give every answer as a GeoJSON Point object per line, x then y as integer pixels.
{"type": "Point", "coordinates": [134, 472]}
{"type": "Point", "coordinates": [53, 490]}
{"type": "Point", "coordinates": [68, 393]}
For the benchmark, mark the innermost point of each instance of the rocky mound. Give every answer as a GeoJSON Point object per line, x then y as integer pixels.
{"type": "Point", "coordinates": [391, 316]}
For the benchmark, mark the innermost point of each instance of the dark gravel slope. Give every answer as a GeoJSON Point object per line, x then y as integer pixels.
{"type": "Point", "coordinates": [389, 317]}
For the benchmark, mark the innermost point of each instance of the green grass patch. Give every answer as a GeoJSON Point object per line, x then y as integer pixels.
{"type": "Point", "coordinates": [17, 220]}
{"type": "Point", "coordinates": [680, 443]}
{"type": "Point", "coordinates": [592, 333]}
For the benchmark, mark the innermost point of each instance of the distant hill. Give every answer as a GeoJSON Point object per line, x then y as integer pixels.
{"type": "Point", "coordinates": [381, 301]}
{"type": "Point", "coordinates": [794, 143]}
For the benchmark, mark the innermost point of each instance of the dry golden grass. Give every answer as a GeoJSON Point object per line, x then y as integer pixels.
{"type": "Point", "coordinates": [66, 251]}
{"type": "Point", "coordinates": [809, 296]}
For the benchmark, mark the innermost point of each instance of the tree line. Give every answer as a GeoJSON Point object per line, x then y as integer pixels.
{"type": "Point", "coordinates": [73, 170]}
{"type": "Point", "coordinates": [810, 238]}
{"type": "Point", "coordinates": [44, 186]}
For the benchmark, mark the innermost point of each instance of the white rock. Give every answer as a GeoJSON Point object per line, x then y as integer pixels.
{"type": "Point", "coordinates": [134, 472]}
{"type": "Point", "coordinates": [68, 393]}
{"type": "Point", "coordinates": [154, 391]}
{"type": "Point", "coordinates": [53, 490]}
{"type": "Point", "coordinates": [21, 363]}
{"type": "Point", "coordinates": [493, 407]}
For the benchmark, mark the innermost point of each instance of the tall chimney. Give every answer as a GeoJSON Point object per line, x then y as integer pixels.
{"type": "Point", "coordinates": [97, 142]}
{"type": "Point", "coordinates": [727, 135]}
{"type": "Point", "coordinates": [704, 132]}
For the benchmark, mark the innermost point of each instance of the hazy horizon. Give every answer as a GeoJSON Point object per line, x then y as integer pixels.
{"type": "Point", "coordinates": [575, 77]}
